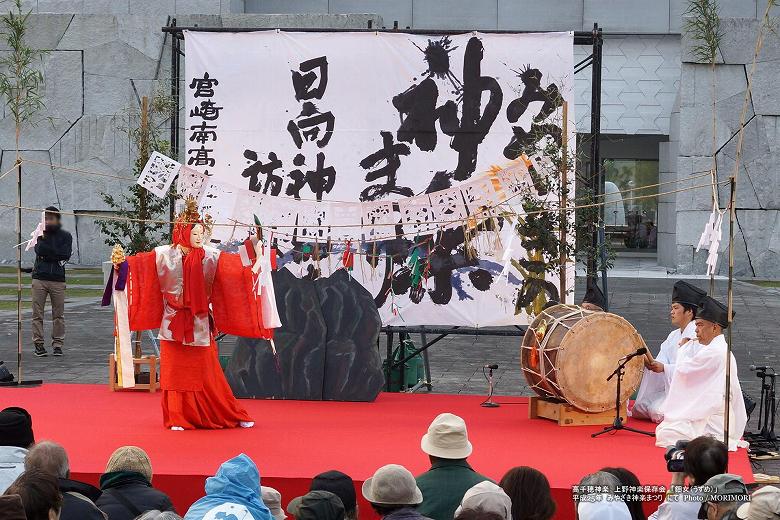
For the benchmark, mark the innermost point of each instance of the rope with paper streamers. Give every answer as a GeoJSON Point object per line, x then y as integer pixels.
{"type": "Point", "coordinates": [695, 175]}
{"type": "Point", "coordinates": [465, 220]}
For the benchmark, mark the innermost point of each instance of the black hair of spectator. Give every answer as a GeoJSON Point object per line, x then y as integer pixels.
{"type": "Point", "coordinates": [39, 492]}
{"type": "Point", "coordinates": [628, 478]}
{"type": "Point", "coordinates": [529, 491]}
{"type": "Point", "coordinates": [704, 458]}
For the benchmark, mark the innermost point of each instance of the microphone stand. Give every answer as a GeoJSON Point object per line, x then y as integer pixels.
{"type": "Point", "coordinates": [489, 402]}
{"type": "Point", "coordinates": [617, 424]}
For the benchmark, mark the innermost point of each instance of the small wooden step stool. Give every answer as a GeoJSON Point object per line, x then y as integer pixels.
{"type": "Point", "coordinates": [566, 415]}
{"type": "Point", "coordinates": [138, 362]}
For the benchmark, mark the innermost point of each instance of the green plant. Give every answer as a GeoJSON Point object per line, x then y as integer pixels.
{"type": "Point", "coordinates": [141, 225]}
{"type": "Point", "coordinates": [21, 87]}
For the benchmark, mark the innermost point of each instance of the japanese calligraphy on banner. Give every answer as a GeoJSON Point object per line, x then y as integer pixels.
{"type": "Point", "coordinates": [377, 118]}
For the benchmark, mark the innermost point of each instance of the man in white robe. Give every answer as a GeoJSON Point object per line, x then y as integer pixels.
{"type": "Point", "coordinates": [659, 371]}
{"type": "Point", "coordinates": [695, 403]}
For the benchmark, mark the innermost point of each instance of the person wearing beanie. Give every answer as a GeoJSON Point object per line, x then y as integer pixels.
{"type": "Point", "coordinates": [127, 486]}
{"type": "Point", "coordinates": [658, 371]}
{"type": "Point", "coordinates": [52, 251]}
{"type": "Point", "coordinates": [447, 445]}
{"type": "Point", "coordinates": [394, 494]}
{"type": "Point", "coordinates": [341, 485]}
{"type": "Point", "coordinates": [694, 404]}
{"type": "Point", "coordinates": [16, 437]}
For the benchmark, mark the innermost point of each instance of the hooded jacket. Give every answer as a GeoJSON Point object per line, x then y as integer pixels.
{"type": "Point", "coordinates": [234, 490]}
{"type": "Point", "coordinates": [11, 465]}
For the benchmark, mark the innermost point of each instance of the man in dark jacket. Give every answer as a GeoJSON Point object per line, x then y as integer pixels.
{"type": "Point", "coordinates": [78, 498]}
{"type": "Point", "coordinates": [127, 487]}
{"type": "Point", "coordinates": [52, 250]}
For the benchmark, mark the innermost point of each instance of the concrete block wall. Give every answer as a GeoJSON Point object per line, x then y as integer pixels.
{"type": "Point", "coordinates": [102, 57]}
{"type": "Point", "coordinates": [757, 233]}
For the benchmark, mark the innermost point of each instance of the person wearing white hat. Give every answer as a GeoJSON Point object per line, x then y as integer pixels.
{"type": "Point", "coordinates": [764, 505]}
{"type": "Point", "coordinates": [602, 507]}
{"type": "Point", "coordinates": [273, 501]}
{"type": "Point", "coordinates": [393, 493]}
{"type": "Point", "coordinates": [450, 476]}
{"type": "Point", "coordinates": [486, 497]}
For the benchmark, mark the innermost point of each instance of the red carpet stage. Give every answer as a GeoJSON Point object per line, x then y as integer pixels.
{"type": "Point", "coordinates": [294, 440]}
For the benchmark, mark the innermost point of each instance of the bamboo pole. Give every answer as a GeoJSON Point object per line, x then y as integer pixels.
{"type": "Point", "coordinates": [18, 267]}
{"type": "Point", "coordinates": [563, 195]}
{"type": "Point", "coordinates": [730, 306]}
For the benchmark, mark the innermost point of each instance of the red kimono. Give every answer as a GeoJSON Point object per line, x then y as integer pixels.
{"type": "Point", "coordinates": [195, 393]}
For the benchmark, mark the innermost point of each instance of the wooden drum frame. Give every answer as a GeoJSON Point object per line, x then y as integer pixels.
{"type": "Point", "coordinates": [568, 353]}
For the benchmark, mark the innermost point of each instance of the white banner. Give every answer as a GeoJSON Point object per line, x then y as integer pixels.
{"type": "Point", "coordinates": [377, 118]}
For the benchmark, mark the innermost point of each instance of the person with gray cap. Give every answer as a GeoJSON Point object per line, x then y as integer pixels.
{"type": "Point", "coordinates": [694, 404]}
{"type": "Point", "coordinates": [273, 501]}
{"type": "Point", "coordinates": [764, 505]}
{"type": "Point", "coordinates": [450, 476]}
{"type": "Point", "coordinates": [52, 251]}
{"type": "Point", "coordinates": [16, 437]}
{"type": "Point", "coordinates": [393, 493]}
{"type": "Point", "coordinates": [486, 497]}
{"type": "Point", "coordinates": [724, 494]}
{"type": "Point", "coordinates": [316, 505]}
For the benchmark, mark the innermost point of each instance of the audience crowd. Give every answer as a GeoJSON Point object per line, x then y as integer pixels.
{"type": "Point", "coordinates": [35, 484]}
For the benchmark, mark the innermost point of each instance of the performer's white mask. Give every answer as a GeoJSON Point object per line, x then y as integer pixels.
{"type": "Point", "coordinates": [197, 236]}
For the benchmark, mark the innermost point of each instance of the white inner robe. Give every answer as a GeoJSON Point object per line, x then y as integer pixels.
{"type": "Point", "coordinates": [655, 385]}
{"type": "Point", "coordinates": [694, 405]}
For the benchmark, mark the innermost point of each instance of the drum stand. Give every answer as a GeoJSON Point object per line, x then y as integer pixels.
{"type": "Point", "coordinates": [618, 423]}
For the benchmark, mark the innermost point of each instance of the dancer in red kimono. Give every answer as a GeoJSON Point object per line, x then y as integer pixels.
{"type": "Point", "coordinates": [190, 291]}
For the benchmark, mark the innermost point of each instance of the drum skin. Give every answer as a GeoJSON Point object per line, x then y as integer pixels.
{"type": "Point", "coordinates": [568, 353]}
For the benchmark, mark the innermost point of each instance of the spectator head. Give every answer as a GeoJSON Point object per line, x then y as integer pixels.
{"type": "Point", "coordinates": [489, 498]}
{"type": "Point", "coordinates": [317, 505]}
{"type": "Point", "coordinates": [473, 514]}
{"type": "Point", "coordinates": [156, 514]}
{"type": "Point", "coordinates": [705, 457]}
{"type": "Point", "coordinates": [447, 438]}
{"type": "Point", "coordinates": [601, 480]}
{"type": "Point", "coordinates": [273, 501]}
{"type": "Point", "coordinates": [764, 505]}
{"type": "Point", "coordinates": [16, 428]}
{"type": "Point", "coordinates": [52, 216]}
{"type": "Point", "coordinates": [341, 485]}
{"type": "Point", "coordinates": [627, 478]}
{"type": "Point", "coordinates": [12, 507]}
{"type": "Point", "coordinates": [723, 494]}
{"type": "Point", "coordinates": [48, 457]}
{"type": "Point", "coordinates": [130, 458]}
{"type": "Point", "coordinates": [40, 495]}
{"type": "Point", "coordinates": [529, 491]}
{"type": "Point", "coordinates": [601, 509]}
{"type": "Point", "coordinates": [392, 487]}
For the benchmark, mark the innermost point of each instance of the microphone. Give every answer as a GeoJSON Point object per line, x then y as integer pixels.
{"type": "Point", "coordinates": [639, 352]}
{"type": "Point", "coordinates": [753, 368]}
{"type": "Point", "coordinates": [491, 367]}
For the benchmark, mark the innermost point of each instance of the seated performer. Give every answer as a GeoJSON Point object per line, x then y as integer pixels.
{"type": "Point", "coordinates": [594, 299]}
{"type": "Point", "coordinates": [659, 371]}
{"type": "Point", "coordinates": [190, 291]}
{"type": "Point", "coordinates": [694, 405]}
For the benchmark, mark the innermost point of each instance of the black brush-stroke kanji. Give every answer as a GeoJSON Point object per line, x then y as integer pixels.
{"type": "Point", "coordinates": [273, 182]}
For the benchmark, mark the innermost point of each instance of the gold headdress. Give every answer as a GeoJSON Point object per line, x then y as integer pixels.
{"type": "Point", "coordinates": [191, 215]}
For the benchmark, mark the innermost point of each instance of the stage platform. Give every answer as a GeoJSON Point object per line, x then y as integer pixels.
{"type": "Point", "coordinates": [294, 440]}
